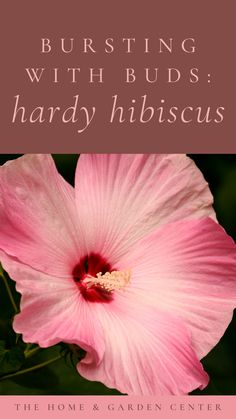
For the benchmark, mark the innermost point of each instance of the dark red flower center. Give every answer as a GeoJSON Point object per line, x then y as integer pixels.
{"type": "Point", "coordinates": [91, 265]}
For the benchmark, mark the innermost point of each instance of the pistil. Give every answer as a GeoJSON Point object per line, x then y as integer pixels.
{"type": "Point", "coordinates": [110, 281]}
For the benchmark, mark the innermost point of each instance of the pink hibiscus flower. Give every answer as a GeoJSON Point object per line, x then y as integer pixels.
{"type": "Point", "coordinates": [130, 265]}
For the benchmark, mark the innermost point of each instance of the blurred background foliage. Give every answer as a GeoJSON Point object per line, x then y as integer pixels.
{"type": "Point", "coordinates": [60, 376]}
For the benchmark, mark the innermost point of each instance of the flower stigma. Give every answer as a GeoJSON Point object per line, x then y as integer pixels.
{"type": "Point", "coordinates": [97, 280]}
{"type": "Point", "coordinates": [110, 281]}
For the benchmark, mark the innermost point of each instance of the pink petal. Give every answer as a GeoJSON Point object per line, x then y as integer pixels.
{"type": "Point", "coordinates": [187, 268]}
{"type": "Point", "coordinates": [122, 197]}
{"type": "Point", "coordinates": [127, 345]}
{"type": "Point", "coordinates": [38, 215]}
{"type": "Point", "coordinates": [146, 353]}
{"type": "Point", "coordinates": [52, 311]}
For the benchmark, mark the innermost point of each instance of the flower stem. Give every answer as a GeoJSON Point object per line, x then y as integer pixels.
{"type": "Point", "coordinates": [30, 352]}
{"type": "Point", "coordinates": [8, 290]}
{"type": "Point", "coordinates": [35, 367]}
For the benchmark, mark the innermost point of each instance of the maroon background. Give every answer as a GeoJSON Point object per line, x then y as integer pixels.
{"type": "Point", "coordinates": [211, 23]}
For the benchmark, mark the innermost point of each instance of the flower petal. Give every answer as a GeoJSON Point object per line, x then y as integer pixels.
{"type": "Point", "coordinates": [187, 268]}
{"type": "Point", "coordinates": [122, 197]}
{"type": "Point", "coordinates": [38, 215]}
{"type": "Point", "coordinates": [53, 310]}
{"type": "Point", "coordinates": [146, 353]}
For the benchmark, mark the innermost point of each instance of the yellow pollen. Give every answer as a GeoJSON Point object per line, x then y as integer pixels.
{"type": "Point", "coordinates": [110, 281]}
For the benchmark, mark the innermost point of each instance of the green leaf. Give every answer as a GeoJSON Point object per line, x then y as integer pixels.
{"type": "Point", "coordinates": [12, 359]}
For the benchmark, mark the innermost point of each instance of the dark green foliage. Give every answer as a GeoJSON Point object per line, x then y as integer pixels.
{"type": "Point", "coordinates": [12, 359]}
